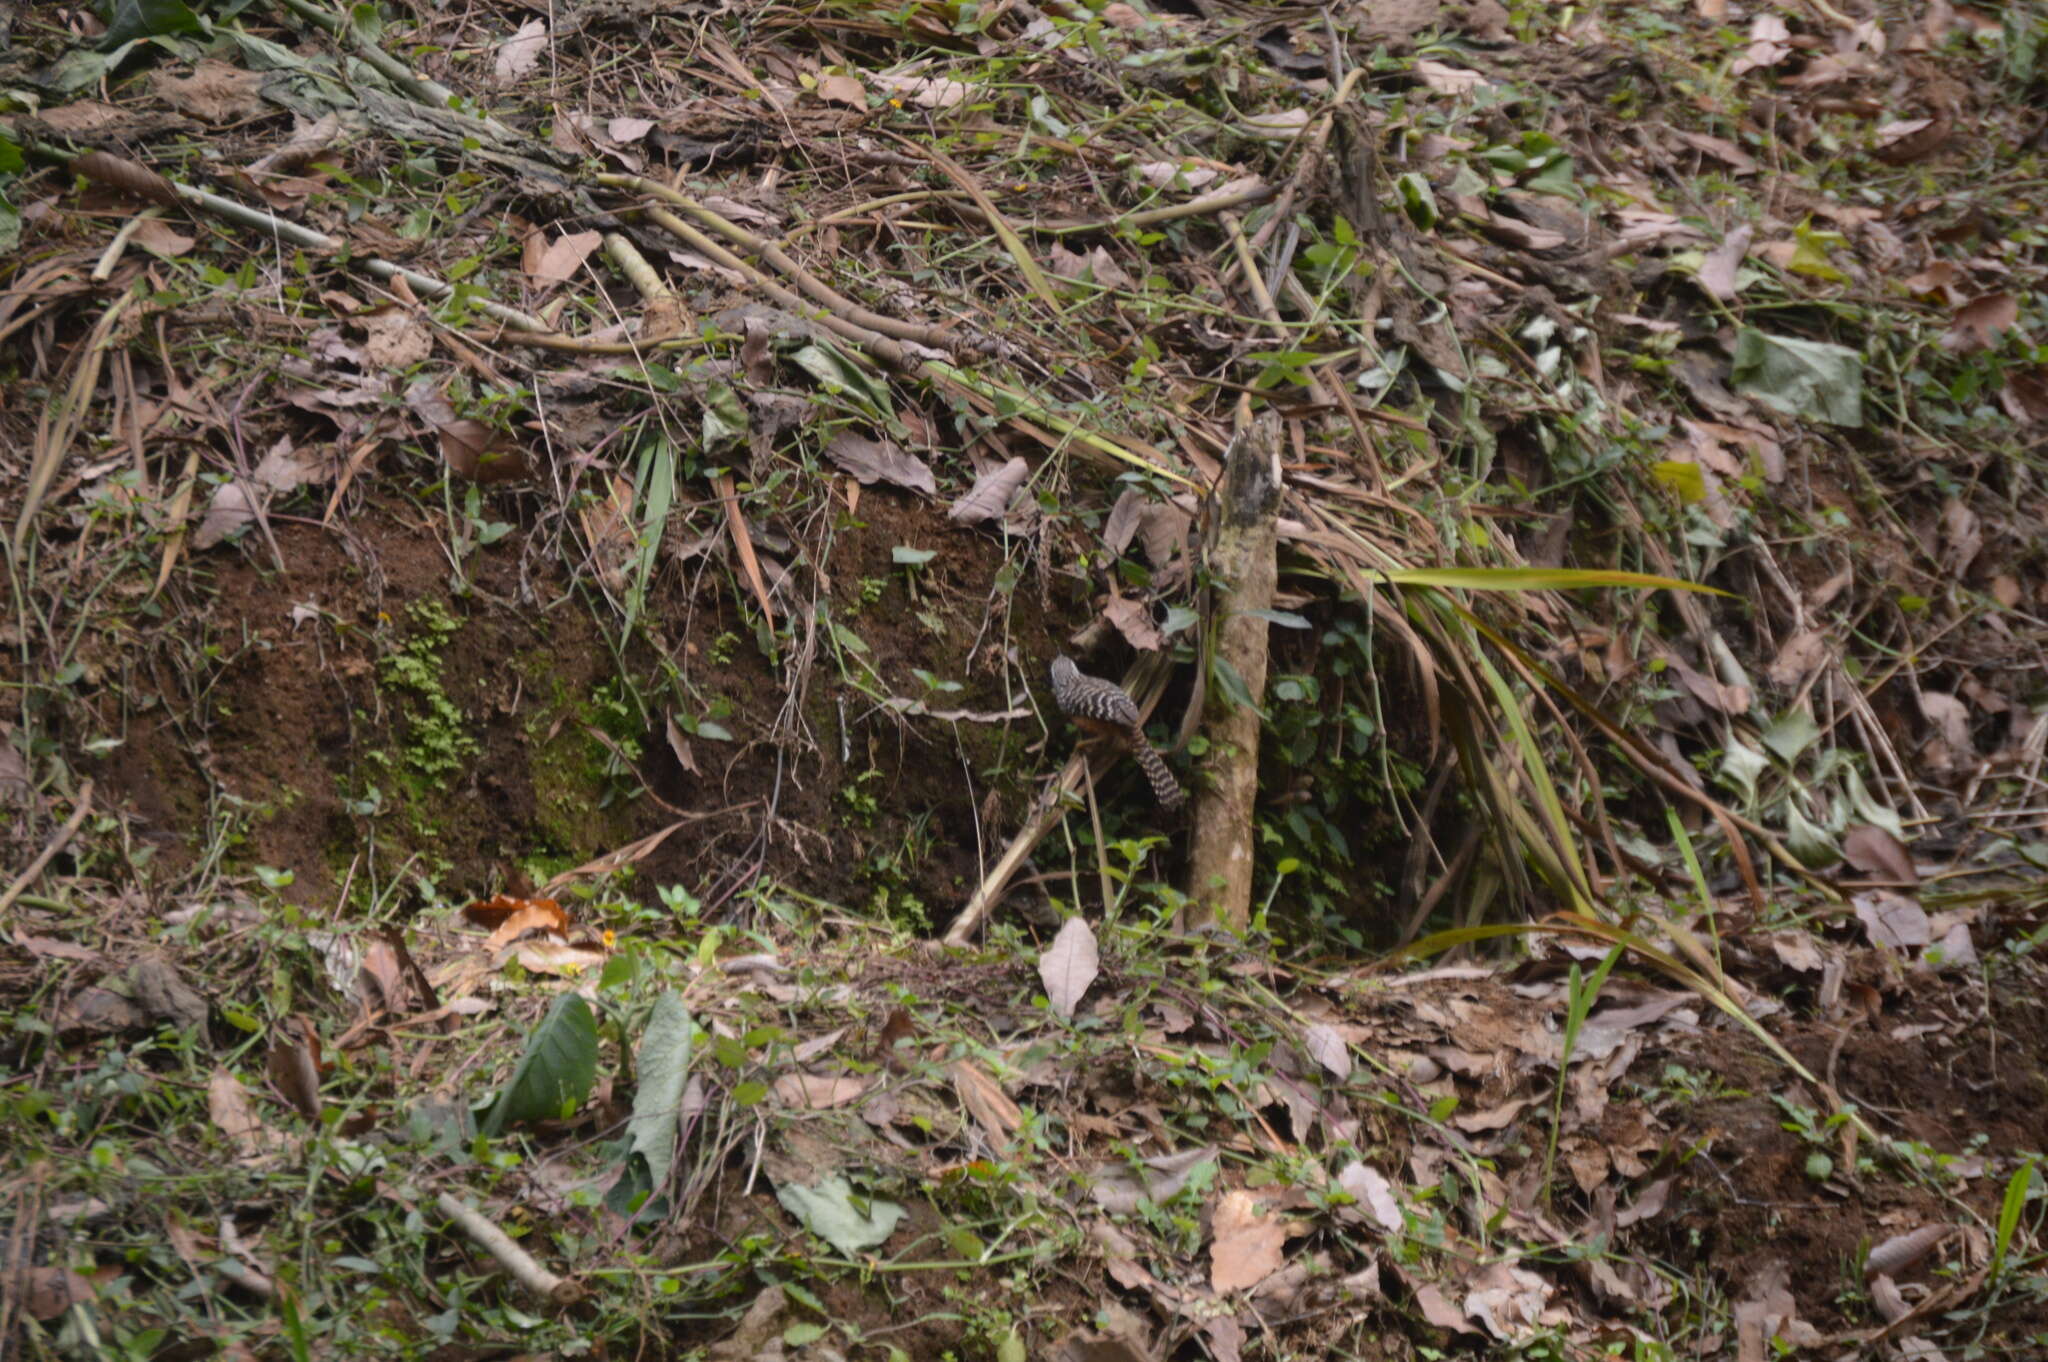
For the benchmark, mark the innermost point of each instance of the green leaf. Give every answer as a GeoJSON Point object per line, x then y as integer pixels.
{"type": "Point", "coordinates": [1800, 377]}
{"type": "Point", "coordinates": [1233, 687]}
{"type": "Point", "coordinates": [1807, 841]}
{"type": "Point", "coordinates": [1791, 733]}
{"type": "Point", "coordinates": [1418, 200]}
{"type": "Point", "coordinates": [725, 419]}
{"type": "Point", "coordinates": [663, 1062]}
{"type": "Point", "coordinates": [132, 19]}
{"type": "Point", "coordinates": [1740, 767]}
{"type": "Point", "coordinates": [1286, 619]}
{"type": "Point", "coordinates": [2009, 1214]}
{"type": "Point", "coordinates": [556, 1072]}
{"type": "Point", "coordinates": [1868, 809]}
{"type": "Point", "coordinates": [653, 494]}
{"type": "Point", "coordinates": [836, 1214]}
{"type": "Point", "coordinates": [835, 370]}
{"type": "Point", "coordinates": [906, 556]}
{"type": "Point", "coordinates": [1536, 579]}
{"type": "Point", "coordinates": [1687, 480]}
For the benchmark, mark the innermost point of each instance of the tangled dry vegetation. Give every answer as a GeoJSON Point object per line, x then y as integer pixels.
{"type": "Point", "coordinates": [534, 821]}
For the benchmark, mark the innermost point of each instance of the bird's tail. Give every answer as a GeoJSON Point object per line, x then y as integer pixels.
{"type": "Point", "coordinates": [1165, 788]}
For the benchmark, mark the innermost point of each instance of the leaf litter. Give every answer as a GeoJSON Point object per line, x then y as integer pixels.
{"type": "Point", "coordinates": [1269, 1147]}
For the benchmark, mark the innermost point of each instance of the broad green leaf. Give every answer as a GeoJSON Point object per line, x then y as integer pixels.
{"type": "Point", "coordinates": [1418, 200]}
{"type": "Point", "coordinates": [133, 19]}
{"type": "Point", "coordinates": [1800, 377]}
{"type": "Point", "coordinates": [1807, 840]}
{"type": "Point", "coordinates": [1687, 480]}
{"type": "Point", "coordinates": [663, 1063]}
{"type": "Point", "coordinates": [836, 1214]}
{"type": "Point", "coordinates": [556, 1072]}
{"type": "Point", "coordinates": [835, 370]}
{"type": "Point", "coordinates": [725, 419]}
{"type": "Point", "coordinates": [1867, 808]}
{"type": "Point", "coordinates": [1741, 765]}
{"type": "Point", "coordinates": [1791, 733]}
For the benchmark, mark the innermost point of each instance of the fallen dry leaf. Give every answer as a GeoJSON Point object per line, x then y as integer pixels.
{"type": "Point", "coordinates": [1247, 1243]}
{"type": "Point", "coordinates": [227, 1101]}
{"type": "Point", "coordinates": [1891, 919]}
{"type": "Point", "coordinates": [872, 461]}
{"type": "Point", "coordinates": [817, 1092]}
{"type": "Point", "coordinates": [1069, 966]}
{"type": "Point", "coordinates": [535, 915]}
{"type": "Point", "coordinates": [1978, 324]}
{"type": "Point", "coordinates": [1875, 851]}
{"type": "Point", "coordinates": [1133, 619]}
{"type": "Point", "coordinates": [986, 1102]}
{"type": "Point", "coordinates": [215, 92]}
{"type": "Point", "coordinates": [991, 494]}
{"type": "Point", "coordinates": [557, 261]}
{"type": "Point", "coordinates": [521, 53]}
{"type": "Point", "coordinates": [295, 1067]}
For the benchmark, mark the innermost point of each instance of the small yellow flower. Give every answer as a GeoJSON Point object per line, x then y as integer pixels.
{"type": "Point", "coordinates": [611, 938]}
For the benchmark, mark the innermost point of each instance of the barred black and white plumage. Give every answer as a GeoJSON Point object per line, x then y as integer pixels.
{"type": "Point", "coordinates": [1102, 707]}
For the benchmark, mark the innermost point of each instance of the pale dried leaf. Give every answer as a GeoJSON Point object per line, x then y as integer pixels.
{"type": "Point", "coordinates": [1162, 527]}
{"type": "Point", "coordinates": [818, 1091]}
{"type": "Point", "coordinates": [394, 341]}
{"type": "Point", "coordinates": [215, 92]}
{"type": "Point", "coordinates": [232, 508]}
{"type": "Point", "coordinates": [872, 461]}
{"type": "Point", "coordinates": [1951, 720]}
{"type": "Point", "coordinates": [1445, 79]}
{"type": "Point", "coordinates": [927, 92]}
{"type": "Point", "coordinates": [559, 261]}
{"type": "Point", "coordinates": [1248, 1241]}
{"type": "Point", "coordinates": [1717, 272]}
{"type": "Point", "coordinates": [559, 958]}
{"type": "Point", "coordinates": [1801, 656]}
{"type": "Point", "coordinates": [843, 89]}
{"type": "Point", "coordinates": [1122, 524]}
{"type": "Point", "coordinates": [1372, 1191]}
{"type": "Point", "coordinates": [1767, 1315]}
{"type": "Point", "coordinates": [1507, 1299]}
{"type": "Point", "coordinates": [986, 1102]}
{"type": "Point", "coordinates": [1891, 919]}
{"type": "Point", "coordinates": [993, 490]}
{"type": "Point", "coordinates": [1962, 537]}
{"type": "Point", "coordinates": [162, 240]}
{"type": "Point", "coordinates": [1119, 1189]}
{"type": "Point", "coordinates": [1797, 950]}
{"type": "Point", "coordinates": [228, 1102]}
{"type": "Point", "coordinates": [1328, 1049]}
{"type": "Point", "coordinates": [1069, 966]}
{"type": "Point", "coordinates": [1978, 324]}
{"type": "Point", "coordinates": [1875, 851]}
{"type": "Point", "coordinates": [1133, 619]}
{"type": "Point", "coordinates": [1898, 1253]}
{"type": "Point", "coordinates": [521, 53]}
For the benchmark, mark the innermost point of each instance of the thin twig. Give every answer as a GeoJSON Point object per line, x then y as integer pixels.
{"type": "Point", "coordinates": [49, 853]}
